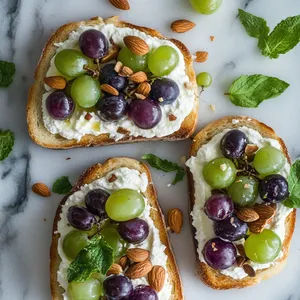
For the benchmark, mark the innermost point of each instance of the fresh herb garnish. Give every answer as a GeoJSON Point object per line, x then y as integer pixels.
{"type": "Point", "coordinates": [294, 186]}
{"type": "Point", "coordinates": [62, 186]}
{"type": "Point", "coordinates": [7, 71]}
{"type": "Point", "coordinates": [6, 143]}
{"type": "Point", "coordinates": [97, 257]}
{"type": "Point", "coordinates": [250, 91]}
{"type": "Point", "coordinates": [166, 166]}
{"type": "Point", "coordinates": [284, 37]}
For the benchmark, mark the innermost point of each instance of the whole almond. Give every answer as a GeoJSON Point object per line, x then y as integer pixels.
{"type": "Point", "coordinates": [114, 270]}
{"type": "Point", "coordinates": [183, 25]}
{"type": "Point", "coordinates": [118, 67]}
{"type": "Point", "coordinates": [124, 262]}
{"type": "Point", "coordinates": [120, 4]}
{"type": "Point", "coordinates": [56, 82]}
{"type": "Point", "coordinates": [258, 226]}
{"type": "Point", "coordinates": [137, 254]}
{"type": "Point", "coordinates": [175, 220]}
{"type": "Point", "coordinates": [136, 45]}
{"type": "Point", "coordinates": [201, 56]}
{"type": "Point", "coordinates": [241, 250]}
{"type": "Point", "coordinates": [41, 189]}
{"type": "Point", "coordinates": [264, 211]}
{"type": "Point", "coordinates": [138, 77]}
{"type": "Point", "coordinates": [247, 214]}
{"type": "Point", "coordinates": [240, 260]}
{"type": "Point", "coordinates": [138, 270]}
{"type": "Point", "coordinates": [109, 89]}
{"type": "Point", "coordinates": [249, 270]}
{"type": "Point", "coordinates": [157, 277]}
{"type": "Point", "coordinates": [144, 88]}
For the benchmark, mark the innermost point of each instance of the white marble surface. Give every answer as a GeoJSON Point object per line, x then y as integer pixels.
{"type": "Point", "coordinates": [26, 219]}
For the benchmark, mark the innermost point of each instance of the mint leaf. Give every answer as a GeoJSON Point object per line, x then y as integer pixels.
{"type": "Point", "coordinates": [179, 176]}
{"type": "Point", "coordinates": [62, 186]}
{"type": "Point", "coordinates": [292, 202]}
{"type": "Point", "coordinates": [96, 257]}
{"type": "Point", "coordinates": [294, 186]}
{"type": "Point", "coordinates": [6, 143]}
{"type": "Point", "coordinates": [250, 91]}
{"type": "Point", "coordinates": [7, 71]}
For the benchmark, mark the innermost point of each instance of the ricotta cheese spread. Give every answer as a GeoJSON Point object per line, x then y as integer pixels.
{"type": "Point", "coordinates": [126, 178]}
{"type": "Point", "coordinates": [76, 127]}
{"type": "Point", "coordinates": [202, 224]}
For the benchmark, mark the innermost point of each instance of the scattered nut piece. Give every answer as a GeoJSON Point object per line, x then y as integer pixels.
{"type": "Point", "coordinates": [183, 159]}
{"type": "Point", "coordinates": [138, 270]}
{"type": "Point", "coordinates": [172, 117]}
{"type": "Point", "coordinates": [118, 66]}
{"type": "Point", "coordinates": [144, 88]}
{"type": "Point", "coordinates": [88, 116]}
{"type": "Point", "coordinates": [212, 38]}
{"type": "Point", "coordinates": [183, 25]}
{"type": "Point", "coordinates": [241, 250]}
{"type": "Point", "coordinates": [56, 82]}
{"type": "Point", "coordinates": [140, 96]}
{"type": "Point", "coordinates": [247, 214]}
{"type": "Point", "coordinates": [175, 220]}
{"type": "Point", "coordinates": [137, 254]}
{"type": "Point", "coordinates": [122, 130]}
{"type": "Point", "coordinates": [223, 167]}
{"type": "Point", "coordinates": [249, 270]}
{"type": "Point", "coordinates": [112, 178]}
{"type": "Point", "coordinates": [212, 107]}
{"type": "Point", "coordinates": [246, 186]}
{"type": "Point", "coordinates": [41, 189]}
{"type": "Point", "coordinates": [115, 269]}
{"type": "Point", "coordinates": [240, 260]}
{"type": "Point", "coordinates": [251, 149]}
{"type": "Point", "coordinates": [138, 77]}
{"type": "Point", "coordinates": [160, 99]}
{"type": "Point", "coordinates": [188, 85]}
{"type": "Point", "coordinates": [136, 45]}
{"type": "Point", "coordinates": [120, 4]}
{"type": "Point", "coordinates": [201, 56]}
{"type": "Point", "coordinates": [157, 277]}
{"type": "Point", "coordinates": [113, 53]}
{"type": "Point", "coordinates": [124, 262]}
{"type": "Point", "coordinates": [126, 71]}
{"type": "Point", "coordinates": [109, 89]}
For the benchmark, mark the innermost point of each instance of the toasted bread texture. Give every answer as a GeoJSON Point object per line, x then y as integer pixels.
{"type": "Point", "coordinates": [93, 173]}
{"type": "Point", "coordinates": [44, 138]}
{"type": "Point", "coordinates": [211, 277]}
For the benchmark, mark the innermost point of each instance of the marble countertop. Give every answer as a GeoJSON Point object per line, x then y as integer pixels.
{"type": "Point", "coordinates": [26, 219]}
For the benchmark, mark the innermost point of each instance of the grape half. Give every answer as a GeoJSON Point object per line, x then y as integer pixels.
{"type": "Point", "coordinates": [134, 62]}
{"type": "Point", "coordinates": [74, 242]}
{"type": "Point", "coordinates": [117, 287]}
{"type": "Point", "coordinates": [219, 207]}
{"type": "Point", "coordinates": [206, 7]}
{"type": "Point", "coordinates": [90, 289]}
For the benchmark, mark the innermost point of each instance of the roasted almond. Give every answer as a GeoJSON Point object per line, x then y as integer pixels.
{"type": "Point", "coordinates": [144, 88]}
{"type": "Point", "coordinates": [136, 45]}
{"type": "Point", "coordinates": [41, 189]}
{"type": "Point", "coordinates": [250, 149]}
{"type": "Point", "coordinates": [201, 56]}
{"type": "Point", "coordinates": [172, 117]}
{"type": "Point", "coordinates": [140, 96]}
{"type": "Point", "coordinates": [56, 82]}
{"type": "Point", "coordinates": [123, 130]}
{"type": "Point", "coordinates": [157, 277]}
{"type": "Point", "coordinates": [126, 71]}
{"type": "Point", "coordinates": [124, 262]}
{"type": "Point", "coordinates": [114, 270]}
{"type": "Point", "coordinates": [138, 270]}
{"type": "Point", "coordinates": [118, 67]}
{"type": "Point", "coordinates": [247, 214]}
{"type": "Point", "coordinates": [138, 77]}
{"type": "Point", "coordinates": [112, 178]}
{"type": "Point", "coordinates": [249, 270]}
{"type": "Point", "coordinates": [109, 89]}
{"type": "Point", "coordinates": [112, 54]}
{"type": "Point", "coordinates": [264, 211]}
{"type": "Point", "coordinates": [183, 25]}
{"type": "Point", "coordinates": [120, 4]}
{"type": "Point", "coordinates": [258, 226]}
{"type": "Point", "coordinates": [137, 254]}
{"type": "Point", "coordinates": [175, 220]}
{"type": "Point", "coordinates": [88, 116]}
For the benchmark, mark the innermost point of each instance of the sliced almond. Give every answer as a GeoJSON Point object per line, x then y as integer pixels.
{"type": "Point", "coordinates": [247, 214]}
{"type": "Point", "coordinates": [249, 270]}
{"type": "Point", "coordinates": [137, 254]}
{"type": "Point", "coordinates": [115, 269]}
{"type": "Point", "coordinates": [138, 270]}
{"type": "Point", "coordinates": [201, 56]}
{"type": "Point", "coordinates": [118, 66]}
{"type": "Point", "coordinates": [126, 71]}
{"type": "Point", "coordinates": [124, 262]}
{"type": "Point", "coordinates": [157, 277]}
{"type": "Point", "coordinates": [109, 89]}
{"type": "Point", "coordinates": [122, 130]}
{"type": "Point", "coordinates": [258, 226]}
{"type": "Point", "coordinates": [264, 211]}
{"type": "Point", "coordinates": [112, 54]}
{"type": "Point", "coordinates": [120, 4]}
{"type": "Point", "coordinates": [240, 260]}
{"type": "Point", "coordinates": [250, 149]}
{"type": "Point", "coordinates": [140, 96]}
{"type": "Point", "coordinates": [183, 25]}
{"type": "Point", "coordinates": [136, 45]}
{"type": "Point", "coordinates": [112, 178]}
{"type": "Point", "coordinates": [144, 88]}
{"type": "Point", "coordinates": [56, 82]}
{"type": "Point", "coordinates": [175, 220]}
{"type": "Point", "coordinates": [41, 189]}
{"type": "Point", "coordinates": [241, 250]}
{"type": "Point", "coordinates": [138, 77]}
{"type": "Point", "coordinates": [172, 117]}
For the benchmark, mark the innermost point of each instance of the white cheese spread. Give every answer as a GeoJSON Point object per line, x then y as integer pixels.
{"type": "Point", "coordinates": [202, 224]}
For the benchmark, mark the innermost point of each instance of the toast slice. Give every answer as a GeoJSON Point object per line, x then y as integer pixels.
{"type": "Point", "coordinates": [208, 275]}
{"type": "Point", "coordinates": [44, 138]}
{"type": "Point", "coordinates": [93, 173]}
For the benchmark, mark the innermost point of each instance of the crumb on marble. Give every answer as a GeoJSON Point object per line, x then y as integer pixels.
{"type": "Point", "coordinates": [68, 158]}
{"type": "Point", "coordinates": [212, 107]}
{"type": "Point", "coordinates": [212, 38]}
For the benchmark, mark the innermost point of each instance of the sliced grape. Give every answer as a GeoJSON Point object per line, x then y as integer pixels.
{"type": "Point", "coordinates": [117, 287]}
{"type": "Point", "coordinates": [134, 231]}
{"type": "Point", "coordinates": [206, 7]}
{"type": "Point", "coordinates": [219, 207]}
{"type": "Point", "coordinates": [204, 79]}
{"type": "Point", "coordinates": [91, 289]}
{"type": "Point", "coordinates": [133, 61]}
{"type": "Point", "coordinates": [74, 242]}
{"type": "Point", "coordinates": [233, 143]}
{"type": "Point", "coordinates": [80, 218]}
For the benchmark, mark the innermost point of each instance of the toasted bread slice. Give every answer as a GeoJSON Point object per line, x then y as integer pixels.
{"type": "Point", "coordinates": [93, 173]}
{"type": "Point", "coordinates": [43, 137]}
{"type": "Point", "coordinates": [212, 277]}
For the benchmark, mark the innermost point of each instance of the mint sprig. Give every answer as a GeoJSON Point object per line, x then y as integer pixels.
{"type": "Point", "coordinates": [7, 71]}
{"type": "Point", "coordinates": [6, 143]}
{"type": "Point", "coordinates": [294, 186]}
{"type": "Point", "coordinates": [62, 186]}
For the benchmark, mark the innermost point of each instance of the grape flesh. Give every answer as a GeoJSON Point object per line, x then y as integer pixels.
{"type": "Point", "coordinates": [232, 229]}
{"type": "Point", "coordinates": [244, 190]}
{"type": "Point", "coordinates": [86, 91]}
{"type": "Point", "coordinates": [219, 207]}
{"type": "Point", "coordinates": [219, 254]}
{"type": "Point", "coordinates": [273, 188]}
{"type": "Point", "coordinates": [134, 231]}
{"type": "Point", "coordinates": [233, 144]}
{"type": "Point", "coordinates": [219, 173]}
{"type": "Point", "coordinates": [74, 242]}
{"type": "Point", "coordinates": [112, 108]}
{"type": "Point", "coordinates": [134, 62]}
{"type": "Point", "coordinates": [71, 62]}
{"type": "Point", "coordinates": [268, 160]}
{"type": "Point", "coordinates": [109, 76]}
{"type": "Point", "coordinates": [90, 289]}
{"type": "Point", "coordinates": [95, 202]}
{"type": "Point", "coordinates": [263, 247]}
{"type": "Point", "coordinates": [117, 287]}
{"type": "Point", "coordinates": [59, 105]}
{"type": "Point", "coordinates": [163, 60]}
{"type": "Point", "coordinates": [164, 89]}
{"type": "Point", "coordinates": [80, 218]}
{"type": "Point", "coordinates": [144, 292]}
{"type": "Point", "coordinates": [206, 7]}
{"type": "Point", "coordinates": [125, 204]}
{"type": "Point", "coordinates": [93, 43]}
{"type": "Point", "coordinates": [204, 79]}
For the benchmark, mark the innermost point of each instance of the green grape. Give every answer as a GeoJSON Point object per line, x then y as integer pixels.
{"type": "Point", "coordinates": [74, 242]}
{"type": "Point", "coordinates": [244, 190]}
{"type": "Point", "coordinates": [163, 60]}
{"type": "Point", "coordinates": [268, 160]}
{"type": "Point", "coordinates": [263, 247]}
{"type": "Point", "coordinates": [219, 173]}
{"type": "Point", "coordinates": [204, 79]}
{"type": "Point", "coordinates": [86, 91]}
{"type": "Point", "coordinates": [88, 290]}
{"type": "Point", "coordinates": [134, 62]}
{"type": "Point", "coordinates": [70, 62]}
{"type": "Point", "coordinates": [206, 7]}
{"type": "Point", "coordinates": [124, 205]}
{"type": "Point", "coordinates": [113, 238]}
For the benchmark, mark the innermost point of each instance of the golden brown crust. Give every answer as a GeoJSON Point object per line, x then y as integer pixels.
{"type": "Point", "coordinates": [98, 171]}
{"type": "Point", "coordinates": [44, 138]}
{"type": "Point", "coordinates": [209, 276]}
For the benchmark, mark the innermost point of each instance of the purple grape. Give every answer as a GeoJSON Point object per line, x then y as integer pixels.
{"type": "Point", "coordinates": [144, 292]}
{"type": "Point", "coordinates": [231, 229]}
{"type": "Point", "coordinates": [219, 254]}
{"type": "Point", "coordinates": [165, 88]}
{"type": "Point", "coordinates": [59, 105]}
{"type": "Point", "coordinates": [145, 114]}
{"type": "Point", "coordinates": [117, 287]}
{"type": "Point", "coordinates": [273, 188]}
{"type": "Point", "coordinates": [93, 43]}
{"type": "Point", "coordinates": [95, 202]}
{"type": "Point", "coordinates": [80, 218]}
{"type": "Point", "coordinates": [219, 207]}
{"type": "Point", "coordinates": [109, 76]}
{"type": "Point", "coordinates": [134, 231]}
{"type": "Point", "coordinates": [112, 108]}
{"type": "Point", "coordinates": [233, 144]}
